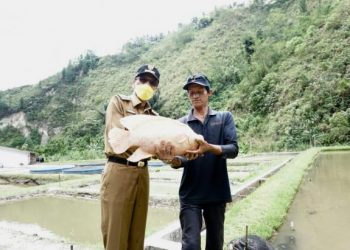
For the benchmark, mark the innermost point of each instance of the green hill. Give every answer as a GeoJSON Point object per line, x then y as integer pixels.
{"type": "Point", "coordinates": [282, 68]}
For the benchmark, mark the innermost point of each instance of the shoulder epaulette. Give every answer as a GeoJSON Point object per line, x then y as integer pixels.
{"type": "Point", "coordinates": [124, 97]}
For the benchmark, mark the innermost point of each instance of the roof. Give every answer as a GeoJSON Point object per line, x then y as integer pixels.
{"type": "Point", "coordinates": [14, 150]}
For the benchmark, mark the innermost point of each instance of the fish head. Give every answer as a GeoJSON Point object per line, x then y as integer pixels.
{"type": "Point", "coordinates": [193, 141]}
{"type": "Point", "coordinates": [198, 138]}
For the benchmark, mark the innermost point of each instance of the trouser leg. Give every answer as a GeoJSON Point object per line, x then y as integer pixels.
{"type": "Point", "coordinates": [139, 217]}
{"type": "Point", "coordinates": [214, 217]}
{"type": "Point", "coordinates": [191, 225]}
{"type": "Point", "coordinates": [118, 192]}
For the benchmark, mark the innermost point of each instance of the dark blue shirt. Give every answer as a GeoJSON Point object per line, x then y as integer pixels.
{"type": "Point", "coordinates": [205, 179]}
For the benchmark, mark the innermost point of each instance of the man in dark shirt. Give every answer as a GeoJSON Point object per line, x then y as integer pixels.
{"type": "Point", "coordinates": [205, 187]}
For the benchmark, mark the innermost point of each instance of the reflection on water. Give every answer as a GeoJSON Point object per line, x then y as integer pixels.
{"type": "Point", "coordinates": [74, 219]}
{"type": "Point", "coordinates": [319, 217]}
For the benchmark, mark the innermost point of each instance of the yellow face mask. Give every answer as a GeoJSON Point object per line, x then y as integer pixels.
{"type": "Point", "coordinates": [144, 91]}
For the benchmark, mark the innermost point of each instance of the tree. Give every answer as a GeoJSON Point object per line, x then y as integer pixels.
{"type": "Point", "coordinates": [89, 61]}
{"type": "Point", "coordinates": [68, 73]}
{"type": "Point", "coordinates": [4, 109]}
{"type": "Point", "coordinates": [249, 48]}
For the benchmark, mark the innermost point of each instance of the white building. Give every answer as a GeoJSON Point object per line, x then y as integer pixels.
{"type": "Point", "coordinates": [11, 157]}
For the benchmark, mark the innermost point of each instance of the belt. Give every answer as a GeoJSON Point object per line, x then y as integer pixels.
{"type": "Point", "coordinates": [126, 162]}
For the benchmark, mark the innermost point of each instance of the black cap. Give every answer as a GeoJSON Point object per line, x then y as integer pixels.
{"type": "Point", "coordinates": [197, 79]}
{"type": "Point", "coordinates": [150, 69]}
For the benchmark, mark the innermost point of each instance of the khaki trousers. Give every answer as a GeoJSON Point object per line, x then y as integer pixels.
{"type": "Point", "coordinates": [124, 204]}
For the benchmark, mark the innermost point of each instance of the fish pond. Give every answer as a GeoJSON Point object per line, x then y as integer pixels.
{"type": "Point", "coordinates": [76, 220]}
{"type": "Point", "coordinates": [319, 217]}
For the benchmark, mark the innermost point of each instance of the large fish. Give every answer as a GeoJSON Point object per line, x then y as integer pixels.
{"type": "Point", "coordinates": [146, 132]}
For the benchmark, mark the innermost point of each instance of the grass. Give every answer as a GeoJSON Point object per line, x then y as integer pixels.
{"type": "Point", "coordinates": [265, 209]}
{"type": "Point", "coordinates": [336, 148]}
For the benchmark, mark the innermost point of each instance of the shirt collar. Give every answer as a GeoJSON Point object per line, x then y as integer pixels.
{"type": "Point", "coordinates": [191, 117]}
{"type": "Point", "coordinates": [136, 101]}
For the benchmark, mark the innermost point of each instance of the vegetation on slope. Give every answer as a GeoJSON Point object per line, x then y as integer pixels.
{"type": "Point", "coordinates": [282, 69]}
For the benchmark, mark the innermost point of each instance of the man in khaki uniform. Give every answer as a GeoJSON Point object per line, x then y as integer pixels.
{"type": "Point", "coordinates": [125, 185]}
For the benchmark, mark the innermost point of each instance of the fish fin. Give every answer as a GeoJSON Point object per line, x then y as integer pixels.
{"type": "Point", "coordinates": [119, 140]}
{"type": "Point", "coordinates": [138, 155]}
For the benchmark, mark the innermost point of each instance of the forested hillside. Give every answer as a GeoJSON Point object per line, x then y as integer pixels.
{"type": "Point", "coordinates": [282, 69]}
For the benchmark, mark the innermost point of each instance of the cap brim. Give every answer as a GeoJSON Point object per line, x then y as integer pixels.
{"type": "Point", "coordinates": [148, 72]}
{"type": "Point", "coordinates": [195, 82]}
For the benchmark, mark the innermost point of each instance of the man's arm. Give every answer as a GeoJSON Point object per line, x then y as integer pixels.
{"type": "Point", "coordinates": [230, 148]}
{"type": "Point", "coordinates": [176, 162]}
{"type": "Point", "coordinates": [203, 148]}
{"type": "Point", "coordinates": [113, 114]}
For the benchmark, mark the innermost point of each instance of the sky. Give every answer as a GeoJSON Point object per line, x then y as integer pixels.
{"type": "Point", "coordinates": [39, 37]}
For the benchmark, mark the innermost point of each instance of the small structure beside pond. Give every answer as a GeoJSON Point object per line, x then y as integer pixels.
{"type": "Point", "coordinates": [11, 157]}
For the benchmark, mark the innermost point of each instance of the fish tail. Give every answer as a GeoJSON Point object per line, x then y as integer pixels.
{"type": "Point", "coordinates": [119, 140]}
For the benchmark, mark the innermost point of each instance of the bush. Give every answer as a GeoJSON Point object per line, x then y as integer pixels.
{"type": "Point", "coordinates": [11, 137]}
{"type": "Point", "coordinates": [339, 127]}
{"type": "Point", "coordinates": [183, 37]}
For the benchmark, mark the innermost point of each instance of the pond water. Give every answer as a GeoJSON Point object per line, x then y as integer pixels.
{"type": "Point", "coordinates": [76, 220]}
{"type": "Point", "coordinates": [319, 218]}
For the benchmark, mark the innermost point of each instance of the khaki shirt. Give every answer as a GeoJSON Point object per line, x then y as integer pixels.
{"type": "Point", "coordinates": [120, 106]}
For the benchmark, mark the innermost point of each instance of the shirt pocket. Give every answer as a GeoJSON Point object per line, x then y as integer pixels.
{"type": "Point", "coordinates": [214, 132]}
